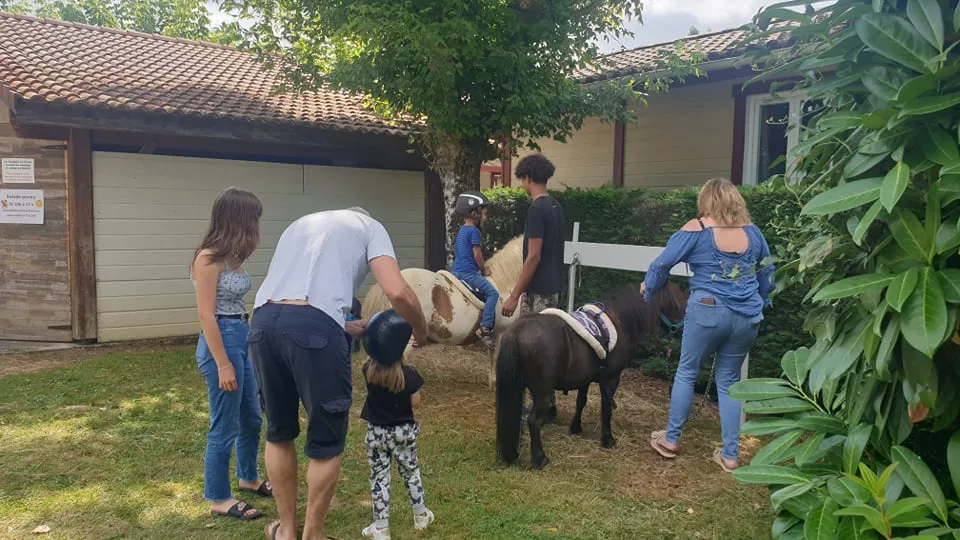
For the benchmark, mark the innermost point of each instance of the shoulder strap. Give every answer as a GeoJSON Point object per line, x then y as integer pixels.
{"type": "Point", "coordinates": [702, 226]}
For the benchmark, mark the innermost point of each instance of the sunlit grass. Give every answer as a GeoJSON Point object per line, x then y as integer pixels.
{"type": "Point", "coordinates": [113, 448]}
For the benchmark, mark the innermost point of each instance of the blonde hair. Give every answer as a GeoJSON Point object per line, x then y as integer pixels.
{"type": "Point", "coordinates": [720, 200]}
{"type": "Point", "coordinates": [389, 377]}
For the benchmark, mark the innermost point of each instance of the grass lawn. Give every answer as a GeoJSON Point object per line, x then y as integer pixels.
{"type": "Point", "coordinates": [112, 447]}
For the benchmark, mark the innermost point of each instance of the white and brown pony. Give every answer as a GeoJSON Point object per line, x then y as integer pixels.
{"type": "Point", "coordinates": [452, 311]}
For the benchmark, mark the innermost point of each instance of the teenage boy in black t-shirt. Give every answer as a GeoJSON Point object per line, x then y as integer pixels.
{"type": "Point", "coordinates": [542, 275]}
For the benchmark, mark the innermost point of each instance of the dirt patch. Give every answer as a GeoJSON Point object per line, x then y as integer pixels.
{"type": "Point", "coordinates": [458, 375]}
{"type": "Point", "coordinates": [16, 362]}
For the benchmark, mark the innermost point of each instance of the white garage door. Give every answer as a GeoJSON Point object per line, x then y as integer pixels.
{"type": "Point", "coordinates": [151, 212]}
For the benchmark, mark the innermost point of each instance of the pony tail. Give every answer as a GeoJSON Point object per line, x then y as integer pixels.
{"type": "Point", "coordinates": [389, 377]}
{"type": "Point", "coordinates": [509, 384]}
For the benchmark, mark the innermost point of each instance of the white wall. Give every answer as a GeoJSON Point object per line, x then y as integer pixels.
{"type": "Point", "coordinates": [151, 212]}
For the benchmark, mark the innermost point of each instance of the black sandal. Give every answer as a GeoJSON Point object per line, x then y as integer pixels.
{"type": "Point", "coordinates": [265, 490]}
{"type": "Point", "coordinates": [239, 511]}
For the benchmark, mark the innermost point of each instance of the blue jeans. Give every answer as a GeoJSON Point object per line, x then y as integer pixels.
{"type": "Point", "coordinates": [707, 330]}
{"type": "Point", "coordinates": [490, 292]}
{"type": "Point", "coordinates": [235, 417]}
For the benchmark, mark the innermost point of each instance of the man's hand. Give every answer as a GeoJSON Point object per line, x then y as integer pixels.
{"type": "Point", "coordinates": [418, 341]}
{"type": "Point", "coordinates": [510, 306]}
{"type": "Point", "coordinates": [485, 271]}
{"type": "Point", "coordinates": [643, 288]}
{"type": "Point", "coordinates": [356, 328]}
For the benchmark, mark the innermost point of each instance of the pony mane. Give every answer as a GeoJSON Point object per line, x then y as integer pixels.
{"type": "Point", "coordinates": [639, 317]}
{"type": "Point", "coordinates": [505, 265]}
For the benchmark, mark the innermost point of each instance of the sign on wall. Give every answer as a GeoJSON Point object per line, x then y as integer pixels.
{"type": "Point", "coordinates": [18, 171]}
{"type": "Point", "coordinates": [22, 206]}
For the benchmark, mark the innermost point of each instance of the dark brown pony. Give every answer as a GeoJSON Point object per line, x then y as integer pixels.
{"type": "Point", "coordinates": [541, 353]}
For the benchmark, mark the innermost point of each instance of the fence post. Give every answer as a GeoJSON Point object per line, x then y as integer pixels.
{"type": "Point", "coordinates": [744, 372]}
{"type": "Point", "coordinates": [572, 273]}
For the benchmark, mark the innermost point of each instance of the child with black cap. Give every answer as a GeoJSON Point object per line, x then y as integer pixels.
{"type": "Point", "coordinates": [393, 390]}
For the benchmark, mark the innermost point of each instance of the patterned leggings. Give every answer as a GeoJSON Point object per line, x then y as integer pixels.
{"type": "Point", "coordinates": [398, 443]}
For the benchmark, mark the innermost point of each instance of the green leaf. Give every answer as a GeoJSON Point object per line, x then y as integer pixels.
{"type": "Point", "coordinates": [912, 512]}
{"type": "Point", "coordinates": [920, 382]}
{"type": "Point", "coordinates": [916, 87]}
{"type": "Point", "coordinates": [894, 38]}
{"type": "Point", "coordinates": [850, 530]}
{"type": "Point", "coordinates": [910, 235]}
{"type": "Point", "coordinates": [864, 225]}
{"type": "Point", "coordinates": [782, 524]}
{"type": "Point", "coordinates": [847, 492]}
{"type": "Point", "coordinates": [760, 389]}
{"type": "Point", "coordinates": [928, 20]}
{"type": "Point", "coordinates": [948, 237]}
{"type": "Point", "coordinates": [939, 147]}
{"type": "Point", "coordinates": [924, 323]}
{"type": "Point", "coordinates": [918, 477]}
{"type": "Point", "coordinates": [783, 405]}
{"type": "Point", "coordinates": [777, 498]}
{"type": "Point", "coordinates": [760, 427]}
{"type": "Point", "coordinates": [823, 522]}
{"type": "Point", "coordinates": [956, 19]}
{"type": "Point", "coordinates": [885, 352]}
{"type": "Point", "coordinates": [853, 286]}
{"type": "Point", "coordinates": [953, 461]}
{"type": "Point", "coordinates": [795, 365]}
{"type": "Point", "coordinates": [894, 184]}
{"type": "Point", "coordinates": [901, 288]}
{"type": "Point", "coordinates": [819, 422]}
{"type": "Point", "coordinates": [861, 162]}
{"type": "Point", "coordinates": [930, 105]}
{"type": "Point", "coordinates": [805, 452]}
{"type": "Point", "coordinates": [872, 515]}
{"type": "Point", "coordinates": [777, 450]}
{"type": "Point", "coordinates": [884, 83]}
{"type": "Point", "coordinates": [950, 281]}
{"type": "Point", "coordinates": [771, 475]}
{"type": "Point", "coordinates": [853, 447]}
{"type": "Point", "coordinates": [844, 197]}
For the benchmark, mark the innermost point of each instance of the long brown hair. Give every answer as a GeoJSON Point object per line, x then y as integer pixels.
{"type": "Point", "coordinates": [234, 232]}
{"type": "Point", "coordinates": [719, 199]}
{"type": "Point", "coordinates": [389, 377]}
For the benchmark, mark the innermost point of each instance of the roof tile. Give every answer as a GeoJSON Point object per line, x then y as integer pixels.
{"type": "Point", "coordinates": [40, 61]}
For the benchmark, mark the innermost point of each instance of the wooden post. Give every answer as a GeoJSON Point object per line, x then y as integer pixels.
{"type": "Point", "coordinates": [435, 228]}
{"type": "Point", "coordinates": [83, 272]}
{"type": "Point", "coordinates": [572, 277]}
{"type": "Point", "coordinates": [619, 140]}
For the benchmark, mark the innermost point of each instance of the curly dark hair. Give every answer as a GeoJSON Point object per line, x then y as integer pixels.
{"type": "Point", "coordinates": [536, 168]}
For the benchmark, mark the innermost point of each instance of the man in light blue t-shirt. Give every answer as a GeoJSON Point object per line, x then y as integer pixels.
{"type": "Point", "coordinates": [468, 263]}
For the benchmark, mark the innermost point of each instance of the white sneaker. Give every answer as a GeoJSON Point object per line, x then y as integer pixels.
{"type": "Point", "coordinates": [376, 534]}
{"type": "Point", "coordinates": [422, 521]}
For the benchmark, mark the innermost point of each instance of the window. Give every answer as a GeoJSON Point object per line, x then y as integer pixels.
{"type": "Point", "coordinates": [496, 180]}
{"type": "Point", "coordinates": [771, 134]}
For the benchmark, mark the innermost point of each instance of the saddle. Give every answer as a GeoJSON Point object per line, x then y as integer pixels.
{"type": "Point", "coordinates": [592, 324]}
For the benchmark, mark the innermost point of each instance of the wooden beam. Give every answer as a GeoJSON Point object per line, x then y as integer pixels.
{"type": "Point", "coordinates": [739, 137]}
{"type": "Point", "coordinates": [83, 278]}
{"type": "Point", "coordinates": [434, 227]}
{"type": "Point", "coordinates": [619, 139]}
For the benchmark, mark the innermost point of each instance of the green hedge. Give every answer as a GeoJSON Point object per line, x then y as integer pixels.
{"type": "Point", "coordinates": [641, 217]}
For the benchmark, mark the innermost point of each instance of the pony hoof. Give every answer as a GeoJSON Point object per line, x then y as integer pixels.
{"type": "Point", "coordinates": [576, 429]}
{"type": "Point", "coordinates": [609, 442]}
{"type": "Point", "coordinates": [541, 464]}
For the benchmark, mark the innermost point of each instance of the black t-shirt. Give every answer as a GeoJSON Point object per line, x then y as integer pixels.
{"type": "Point", "coordinates": [384, 408]}
{"type": "Point", "coordinates": [545, 220]}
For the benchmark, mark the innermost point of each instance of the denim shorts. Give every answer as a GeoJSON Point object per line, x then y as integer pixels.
{"type": "Point", "coordinates": [300, 354]}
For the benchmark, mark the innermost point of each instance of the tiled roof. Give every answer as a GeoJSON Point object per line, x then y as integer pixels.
{"type": "Point", "coordinates": [61, 63]}
{"type": "Point", "coordinates": [715, 46]}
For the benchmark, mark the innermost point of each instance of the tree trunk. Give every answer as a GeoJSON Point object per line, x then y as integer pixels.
{"type": "Point", "coordinates": [457, 163]}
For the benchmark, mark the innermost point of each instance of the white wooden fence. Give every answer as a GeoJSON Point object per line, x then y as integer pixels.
{"type": "Point", "coordinates": [618, 257]}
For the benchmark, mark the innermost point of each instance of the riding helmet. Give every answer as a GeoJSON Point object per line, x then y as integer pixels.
{"type": "Point", "coordinates": [471, 201]}
{"type": "Point", "coordinates": [386, 337]}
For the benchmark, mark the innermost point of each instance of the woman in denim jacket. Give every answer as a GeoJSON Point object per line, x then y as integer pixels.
{"type": "Point", "coordinates": [730, 287]}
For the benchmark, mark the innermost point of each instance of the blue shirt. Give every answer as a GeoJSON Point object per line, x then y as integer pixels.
{"type": "Point", "coordinates": [463, 260]}
{"type": "Point", "coordinates": [740, 281]}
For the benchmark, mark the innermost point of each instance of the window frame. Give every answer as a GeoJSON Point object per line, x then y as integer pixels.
{"type": "Point", "coordinates": [751, 147]}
